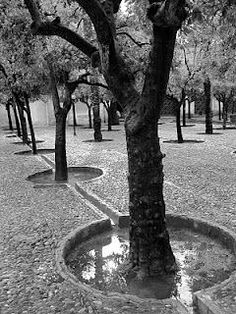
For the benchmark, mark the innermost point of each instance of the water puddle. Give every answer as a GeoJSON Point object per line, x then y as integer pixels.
{"type": "Point", "coordinates": [202, 263]}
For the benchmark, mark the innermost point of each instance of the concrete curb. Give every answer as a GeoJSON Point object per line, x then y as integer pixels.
{"type": "Point", "coordinates": [106, 208]}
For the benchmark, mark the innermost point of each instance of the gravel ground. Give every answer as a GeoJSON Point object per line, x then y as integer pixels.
{"type": "Point", "coordinates": [199, 177]}
{"type": "Point", "coordinates": [199, 182]}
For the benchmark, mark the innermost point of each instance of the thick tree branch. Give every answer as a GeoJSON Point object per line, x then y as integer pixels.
{"type": "Point", "coordinates": [2, 69]}
{"type": "Point", "coordinates": [33, 10]}
{"type": "Point", "coordinates": [135, 41]}
{"type": "Point", "coordinates": [99, 19]}
{"type": "Point", "coordinates": [83, 81]}
{"type": "Point", "coordinates": [186, 61]}
{"type": "Point", "coordinates": [56, 28]}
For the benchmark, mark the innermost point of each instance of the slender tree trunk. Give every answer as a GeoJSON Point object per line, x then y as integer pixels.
{"type": "Point", "coordinates": [225, 114]}
{"type": "Point", "coordinates": [90, 117]}
{"type": "Point", "coordinates": [96, 113]}
{"type": "Point", "coordinates": [149, 240]}
{"type": "Point", "coordinates": [189, 108]}
{"type": "Point", "coordinates": [178, 125]}
{"type": "Point", "coordinates": [30, 122]}
{"type": "Point", "coordinates": [61, 171]}
{"type": "Point", "coordinates": [109, 122]}
{"type": "Point", "coordinates": [208, 110]}
{"type": "Point", "coordinates": [104, 114]}
{"type": "Point", "coordinates": [233, 107]}
{"type": "Point", "coordinates": [8, 108]}
{"type": "Point", "coordinates": [20, 106]}
{"type": "Point", "coordinates": [184, 107]}
{"type": "Point", "coordinates": [220, 114]}
{"type": "Point", "coordinates": [74, 117]}
{"type": "Point", "coordinates": [16, 120]}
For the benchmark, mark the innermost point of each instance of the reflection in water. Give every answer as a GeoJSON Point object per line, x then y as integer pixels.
{"type": "Point", "coordinates": [202, 263]}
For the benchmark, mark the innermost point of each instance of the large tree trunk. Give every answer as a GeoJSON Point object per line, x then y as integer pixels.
{"type": "Point", "coordinates": [150, 249]}
{"type": "Point", "coordinates": [149, 240]}
{"type": "Point", "coordinates": [8, 108]}
{"type": "Point", "coordinates": [61, 172]}
{"type": "Point", "coordinates": [208, 110]}
{"type": "Point", "coordinates": [28, 112]}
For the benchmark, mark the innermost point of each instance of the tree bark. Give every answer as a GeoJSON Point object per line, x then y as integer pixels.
{"type": "Point", "coordinates": [208, 110]}
{"type": "Point", "coordinates": [149, 240]}
{"type": "Point", "coordinates": [8, 108]}
{"type": "Point", "coordinates": [30, 122]}
{"type": "Point", "coordinates": [96, 113]}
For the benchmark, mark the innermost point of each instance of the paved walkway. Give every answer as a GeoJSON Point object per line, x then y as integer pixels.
{"type": "Point", "coordinates": [199, 182]}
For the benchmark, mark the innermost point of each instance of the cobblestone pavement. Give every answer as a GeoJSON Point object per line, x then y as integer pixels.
{"type": "Point", "coordinates": [199, 182]}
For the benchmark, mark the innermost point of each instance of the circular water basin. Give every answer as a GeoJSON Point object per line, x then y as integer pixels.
{"type": "Point", "coordinates": [202, 262]}
{"type": "Point", "coordinates": [74, 174]}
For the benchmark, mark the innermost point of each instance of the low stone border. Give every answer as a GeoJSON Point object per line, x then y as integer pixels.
{"type": "Point", "coordinates": [105, 207]}
{"type": "Point", "coordinates": [39, 152]}
{"type": "Point", "coordinates": [214, 133]}
{"type": "Point", "coordinates": [201, 298]}
{"type": "Point", "coordinates": [184, 142]}
{"type": "Point", "coordinates": [93, 141]}
{"type": "Point", "coordinates": [28, 143]}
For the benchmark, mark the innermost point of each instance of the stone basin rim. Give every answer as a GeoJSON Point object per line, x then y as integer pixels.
{"type": "Point", "coordinates": [215, 231]}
